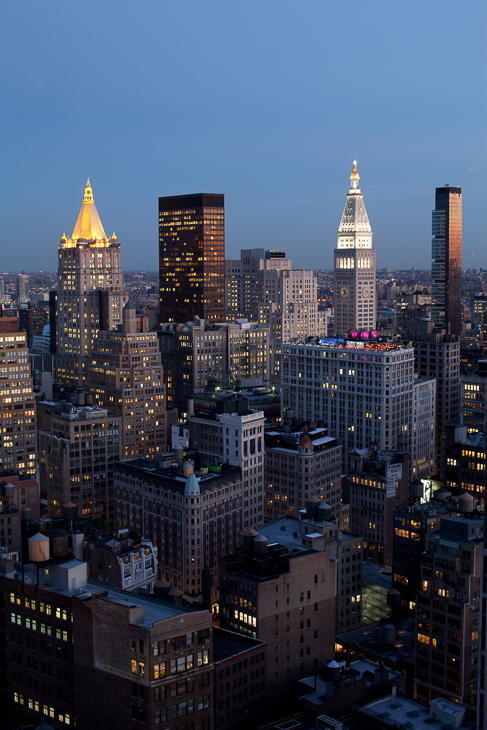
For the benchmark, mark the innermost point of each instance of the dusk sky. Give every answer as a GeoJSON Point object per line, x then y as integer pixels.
{"type": "Point", "coordinates": [266, 101]}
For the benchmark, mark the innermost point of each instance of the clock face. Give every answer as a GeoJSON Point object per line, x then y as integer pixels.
{"type": "Point", "coordinates": [365, 292]}
{"type": "Point", "coordinates": [344, 292]}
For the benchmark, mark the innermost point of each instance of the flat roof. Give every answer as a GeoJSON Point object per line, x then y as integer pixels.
{"type": "Point", "coordinates": [228, 643]}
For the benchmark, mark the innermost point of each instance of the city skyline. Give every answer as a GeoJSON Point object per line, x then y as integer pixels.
{"type": "Point", "coordinates": [283, 101]}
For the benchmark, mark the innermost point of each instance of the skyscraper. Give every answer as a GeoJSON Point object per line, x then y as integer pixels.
{"type": "Point", "coordinates": [354, 278]}
{"type": "Point", "coordinates": [264, 287]}
{"type": "Point", "coordinates": [192, 257]}
{"type": "Point", "coordinates": [90, 292]}
{"type": "Point", "coordinates": [125, 376]}
{"type": "Point", "coordinates": [446, 253]}
{"type": "Point", "coordinates": [17, 404]}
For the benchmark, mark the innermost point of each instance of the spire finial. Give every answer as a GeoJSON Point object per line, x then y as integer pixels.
{"type": "Point", "coordinates": [354, 177]}
{"type": "Point", "coordinates": [88, 192]}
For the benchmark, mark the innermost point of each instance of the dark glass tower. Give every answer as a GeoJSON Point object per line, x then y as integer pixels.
{"type": "Point", "coordinates": [192, 257]}
{"type": "Point", "coordinates": [447, 260]}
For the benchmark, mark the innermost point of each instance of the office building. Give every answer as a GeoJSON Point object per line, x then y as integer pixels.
{"type": "Point", "coordinates": [77, 457]}
{"type": "Point", "coordinates": [300, 465]}
{"type": "Point", "coordinates": [17, 404]}
{"type": "Point", "coordinates": [234, 434]}
{"type": "Point", "coordinates": [437, 356]}
{"type": "Point", "coordinates": [412, 524]}
{"type": "Point", "coordinates": [448, 611]}
{"type": "Point", "coordinates": [446, 267]}
{"type": "Point", "coordinates": [423, 438]}
{"type": "Point", "coordinates": [22, 288]}
{"type": "Point", "coordinates": [361, 390]}
{"type": "Point", "coordinates": [197, 354]}
{"type": "Point", "coordinates": [317, 530]}
{"type": "Point", "coordinates": [264, 287]}
{"type": "Point", "coordinates": [482, 680]}
{"type": "Point", "coordinates": [79, 654]}
{"type": "Point", "coordinates": [125, 376]}
{"type": "Point", "coordinates": [192, 258]}
{"type": "Point", "coordinates": [32, 321]}
{"type": "Point", "coordinates": [379, 483]}
{"type": "Point", "coordinates": [245, 280]}
{"type": "Point", "coordinates": [240, 669]}
{"type": "Point", "coordinates": [89, 292]}
{"type": "Point", "coordinates": [192, 518]}
{"type": "Point", "coordinates": [286, 598]}
{"type": "Point", "coordinates": [465, 461]}
{"type": "Point", "coordinates": [473, 399]}
{"type": "Point", "coordinates": [354, 283]}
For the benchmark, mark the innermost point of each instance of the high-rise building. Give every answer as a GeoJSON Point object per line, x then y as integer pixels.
{"type": "Point", "coordinates": [286, 597]}
{"type": "Point", "coordinates": [77, 456]}
{"type": "Point", "coordinates": [22, 288]}
{"type": "Point", "coordinates": [317, 530]}
{"type": "Point", "coordinates": [197, 354]}
{"type": "Point", "coordinates": [362, 391]}
{"type": "Point", "coordinates": [379, 483]}
{"type": "Point", "coordinates": [438, 355]}
{"type": "Point", "coordinates": [193, 519]}
{"type": "Point", "coordinates": [448, 610]}
{"type": "Point", "coordinates": [446, 268]}
{"type": "Point", "coordinates": [89, 292]}
{"type": "Point", "coordinates": [354, 270]}
{"type": "Point", "coordinates": [77, 653]}
{"type": "Point", "coordinates": [263, 286]}
{"type": "Point", "coordinates": [412, 524]}
{"type": "Point", "coordinates": [32, 321]}
{"type": "Point", "coordinates": [424, 428]}
{"type": "Point", "coordinates": [482, 684]}
{"type": "Point", "coordinates": [298, 466]}
{"type": "Point", "coordinates": [125, 376]}
{"type": "Point", "coordinates": [234, 434]}
{"type": "Point", "coordinates": [192, 258]}
{"type": "Point", "coordinates": [17, 405]}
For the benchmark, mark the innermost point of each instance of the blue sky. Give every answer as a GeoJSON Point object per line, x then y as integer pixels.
{"type": "Point", "coordinates": [266, 101]}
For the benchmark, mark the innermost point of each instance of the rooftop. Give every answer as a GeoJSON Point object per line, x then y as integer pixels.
{"type": "Point", "coordinates": [228, 644]}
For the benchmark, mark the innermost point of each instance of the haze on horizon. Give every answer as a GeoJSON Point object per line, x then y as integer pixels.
{"type": "Point", "coordinates": [266, 102]}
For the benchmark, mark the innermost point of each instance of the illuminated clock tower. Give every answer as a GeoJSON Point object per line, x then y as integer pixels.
{"type": "Point", "coordinates": [354, 269]}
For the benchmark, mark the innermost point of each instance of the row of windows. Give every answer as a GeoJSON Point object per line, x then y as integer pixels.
{"type": "Point", "coordinates": [47, 710]}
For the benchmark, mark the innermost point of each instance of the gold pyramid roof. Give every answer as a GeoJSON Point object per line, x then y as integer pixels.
{"type": "Point", "coordinates": [88, 225]}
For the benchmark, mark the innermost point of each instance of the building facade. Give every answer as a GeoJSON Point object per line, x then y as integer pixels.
{"type": "Point", "coordinates": [284, 598]}
{"type": "Point", "coordinates": [192, 519]}
{"type": "Point", "coordinates": [299, 466]}
{"type": "Point", "coordinates": [264, 287]}
{"type": "Point", "coordinates": [379, 483]}
{"type": "Point", "coordinates": [234, 434]}
{"type": "Point", "coordinates": [446, 267]}
{"type": "Point", "coordinates": [77, 457]}
{"type": "Point", "coordinates": [89, 292]}
{"type": "Point", "coordinates": [362, 391]}
{"type": "Point", "coordinates": [192, 258]}
{"type": "Point", "coordinates": [80, 654]}
{"type": "Point", "coordinates": [125, 377]}
{"type": "Point", "coordinates": [423, 437]}
{"type": "Point", "coordinates": [354, 266]}
{"type": "Point", "coordinates": [438, 356]}
{"type": "Point", "coordinates": [17, 405]}
{"type": "Point", "coordinates": [197, 354]}
{"type": "Point", "coordinates": [448, 613]}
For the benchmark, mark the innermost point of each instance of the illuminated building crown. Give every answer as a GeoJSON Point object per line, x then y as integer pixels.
{"type": "Point", "coordinates": [88, 226]}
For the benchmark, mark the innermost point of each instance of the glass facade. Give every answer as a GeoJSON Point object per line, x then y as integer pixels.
{"type": "Point", "coordinates": [447, 260]}
{"type": "Point", "coordinates": [192, 258]}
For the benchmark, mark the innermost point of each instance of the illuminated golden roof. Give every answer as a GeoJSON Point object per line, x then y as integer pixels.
{"type": "Point", "coordinates": [88, 225]}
